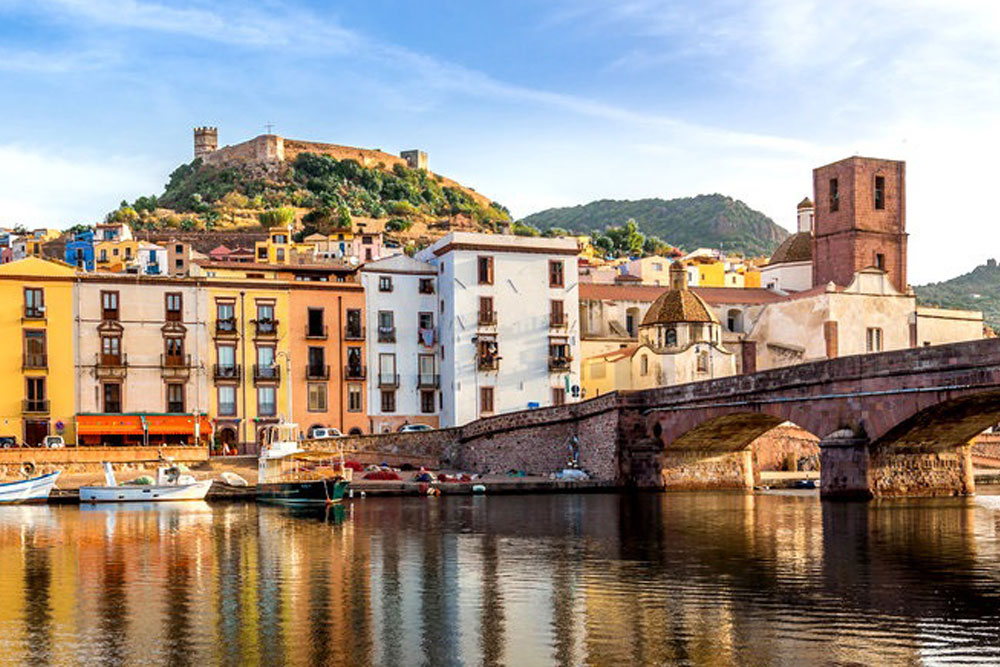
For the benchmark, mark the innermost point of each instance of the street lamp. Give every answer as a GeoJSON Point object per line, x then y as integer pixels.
{"type": "Point", "coordinates": [288, 378]}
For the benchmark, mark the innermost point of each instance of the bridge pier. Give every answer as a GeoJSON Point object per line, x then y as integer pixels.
{"type": "Point", "coordinates": [695, 470]}
{"type": "Point", "coordinates": [850, 467]}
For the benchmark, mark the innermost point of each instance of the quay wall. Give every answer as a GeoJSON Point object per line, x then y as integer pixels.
{"type": "Point", "coordinates": [90, 459]}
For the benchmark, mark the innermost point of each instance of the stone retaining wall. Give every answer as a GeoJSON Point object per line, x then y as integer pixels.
{"type": "Point", "coordinates": [91, 459]}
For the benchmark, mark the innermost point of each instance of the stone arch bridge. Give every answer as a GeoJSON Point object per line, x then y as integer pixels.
{"type": "Point", "coordinates": [893, 423]}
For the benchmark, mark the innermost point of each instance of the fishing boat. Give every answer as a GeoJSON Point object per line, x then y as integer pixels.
{"type": "Point", "coordinates": [170, 484]}
{"type": "Point", "coordinates": [34, 490]}
{"type": "Point", "coordinates": [287, 474]}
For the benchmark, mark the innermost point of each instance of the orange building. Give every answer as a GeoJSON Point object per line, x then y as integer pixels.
{"type": "Point", "coordinates": [327, 339]}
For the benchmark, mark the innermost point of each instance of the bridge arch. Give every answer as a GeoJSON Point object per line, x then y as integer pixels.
{"type": "Point", "coordinates": [942, 425]}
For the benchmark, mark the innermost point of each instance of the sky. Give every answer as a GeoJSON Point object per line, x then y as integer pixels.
{"type": "Point", "coordinates": [533, 103]}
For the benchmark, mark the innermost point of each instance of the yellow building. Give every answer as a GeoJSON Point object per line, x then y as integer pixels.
{"type": "Point", "coordinates": [37, 343]}
{"type": "Point", "coordinates": [115, 256]}
{"type": "Point", "coordinates": [249, 353]}
{"type": "Point", "coordinates": [711, 273]}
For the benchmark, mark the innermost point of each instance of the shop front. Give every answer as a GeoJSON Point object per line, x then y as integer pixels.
{"type": "Point", "coordinates": [142, 429]}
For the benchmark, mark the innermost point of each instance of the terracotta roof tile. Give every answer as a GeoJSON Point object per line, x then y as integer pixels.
{"type": "Point", "coordinates": [796, 248]}
{"type": "Point", "coordinates": [678, 306]}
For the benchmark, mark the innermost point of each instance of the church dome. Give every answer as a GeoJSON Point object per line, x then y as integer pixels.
{"type": "Point", "coordinates": [674, 306]}
{"type": "Point", "coordinates": [796, 248]}
{"type": "Point", "coordinates": [805, 203]}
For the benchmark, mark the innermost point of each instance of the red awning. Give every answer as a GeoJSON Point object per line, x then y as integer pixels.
{"type": "Point", "coordinates": [133, 424]}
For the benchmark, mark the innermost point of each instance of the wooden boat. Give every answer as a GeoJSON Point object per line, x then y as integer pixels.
{"type": "Point", "coordinates": [170, 485]}
{"type": "Point", "coordinates": [290, 475]}
{"type": "Point", "coordinates": [34, 490]}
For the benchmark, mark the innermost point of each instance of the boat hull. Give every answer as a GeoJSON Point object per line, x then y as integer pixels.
{"type": "Point", "coordinates": [34, 490]}
{"type": "Point", "coordinates": [145, 493]}
{"type": "Point", "coordinates": [310, 492]}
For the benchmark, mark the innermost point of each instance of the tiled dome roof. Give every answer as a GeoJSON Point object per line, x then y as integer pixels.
{"type": "Point", "coordinates": [805, 203]}
{"type": "Point", "coordinates": [796, 248]}
{"type": "Point", "coordinates": [675, 306]}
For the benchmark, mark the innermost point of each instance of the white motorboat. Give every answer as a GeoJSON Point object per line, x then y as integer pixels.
{"type": "Point", "coordinates": [34, 490]}
{"type": "Point", "coordinates": [170, 484]}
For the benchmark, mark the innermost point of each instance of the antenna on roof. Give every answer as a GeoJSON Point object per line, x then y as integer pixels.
{"type": "Point", "coordinates": [269, 127]}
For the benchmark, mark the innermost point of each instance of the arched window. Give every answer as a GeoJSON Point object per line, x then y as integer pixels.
{"type": "Point", "coordinates": [671, 337]}
{"type": "Point", "coordinates": [355, 431]}
{"type": "Point", "coordinates": [734, 320]}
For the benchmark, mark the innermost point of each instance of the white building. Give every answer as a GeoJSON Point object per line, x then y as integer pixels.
{"type": "Point", "coordinates": [509, 309]}
{"type": "Point", "coordinates": [791, 265]}
{"type": "Point", "coordinates": [151, 259]}
{"type": "Point", "coordinates": [402, 342]}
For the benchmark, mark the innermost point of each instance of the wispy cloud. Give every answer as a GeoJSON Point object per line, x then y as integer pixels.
{"type": "Point", "coordinates": [55, 63]}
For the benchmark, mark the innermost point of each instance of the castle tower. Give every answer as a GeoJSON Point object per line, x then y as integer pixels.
{"type": "Point", "coordinates": [206, 140]}
{"type": "Point", "coordinates": [806, 211]}
{"type": "Point", "coordinates": [860, 220]}
{"type": "Point", "coordinates": [415, 159]}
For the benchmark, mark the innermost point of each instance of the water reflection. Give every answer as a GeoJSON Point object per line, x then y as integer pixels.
{"type": "Point", "coordinates": [600, 579]}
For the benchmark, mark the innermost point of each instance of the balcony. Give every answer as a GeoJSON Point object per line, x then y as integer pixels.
{"type": "Point", "coordinates": [317, 372]}
{"type": "Point", "coordinates": [153, 270]}
{"type": "Point", "coordinates": [109, 314]}
{"type": "Point", "coordinates": [32, 406]}
{"type": "Point", "coordinates": [560, 364]}
{"type": "Point", "coordinates": [427, 336]}
{"type": "Point", "coordinates": [266, 373]}
{"type": "Point", "coordinates": [317, 333]}
{"type": "Point", "coordinates": [487, 318]}
{"type": "Point", "coordinates": [558, 321]}
{"type": "Point", "coordinates": [226, 327]}
{"type": "Point", "coordinates": [175, 365]}
{"type": "Point", "coordinates": [390, 380]}
{"type": "Point", "coordinates": [428, 380]}
{"type": "Point", "coordinates": [387, 334]}
{"type": "Point", "coordinates": [355, 372]}
{"type": "Point", "coordinates": [36, 361]}
{"type": "Point", "coordinates": [111, 365]}
{"type": "Point", "coordinates": [227, 371]}
{"type": "Point", "coordinates": [34, 313]}
{"type": "Point", "coordinates": [354, 332]}
{"type": "Point", "coordinates": [265, 328]}
{"type": "Point", "coordinates": [488, 363]}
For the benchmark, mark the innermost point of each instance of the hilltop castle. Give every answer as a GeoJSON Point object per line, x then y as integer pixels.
{"type": "Point", "coordinates": [273, 149]}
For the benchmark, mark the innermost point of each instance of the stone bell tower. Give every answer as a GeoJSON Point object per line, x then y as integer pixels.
{"type": "Point", "coordinates": [860, 220]}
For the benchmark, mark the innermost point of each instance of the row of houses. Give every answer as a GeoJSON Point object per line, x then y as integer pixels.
{"type": "Point", "coordinates": [474, 325]}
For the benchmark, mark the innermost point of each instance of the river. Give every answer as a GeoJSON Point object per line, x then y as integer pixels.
{"type": "Point", "coordinates": [604, 579]}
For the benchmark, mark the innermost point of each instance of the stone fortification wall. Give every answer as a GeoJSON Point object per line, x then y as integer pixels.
{"type": "Point", "coordinates": [366, 157]}
{"type": "Point", "coordinates": [428, 449]}
{"type": "Point", "coordinates": [265, 148]}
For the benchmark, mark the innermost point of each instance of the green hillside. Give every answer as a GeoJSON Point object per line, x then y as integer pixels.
{"type": "Point", "coordinates": [977, 290]}
{"type": "Point", "coordinates": [690, 222]}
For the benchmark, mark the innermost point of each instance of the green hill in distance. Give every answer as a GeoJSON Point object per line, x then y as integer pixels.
{"type": "Point", "coordinates": [712, 221]}
{"type": "Point", "coordinates": [977, 290]}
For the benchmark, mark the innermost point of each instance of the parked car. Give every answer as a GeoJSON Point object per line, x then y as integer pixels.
{"type": "Point", "coordinates": [316, 433]}
{"type": "Point", "coordinates": [8, 442]}
{"type": "Point", "coordinates": [415, 428]}
{"type": "Point", "coordinates": [54, 442]}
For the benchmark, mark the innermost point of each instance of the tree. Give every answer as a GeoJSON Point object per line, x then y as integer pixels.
{"type": "Point", "coordinates": [654, 246]}
{"type": "Point", "coordinates": [276, 217]}
{"type": "Point", "coordinates": [521, 229]}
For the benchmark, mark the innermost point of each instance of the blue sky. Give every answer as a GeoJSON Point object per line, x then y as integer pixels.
{"type": "Point", "coordinates": [535, 104]}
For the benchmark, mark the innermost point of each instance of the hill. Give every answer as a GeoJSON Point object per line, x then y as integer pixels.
{"type": "Point", "coordinates": [977, 290]}
{"type": "Point", "coordinates": [690, 222]}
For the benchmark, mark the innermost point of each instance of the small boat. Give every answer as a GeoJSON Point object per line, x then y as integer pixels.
{"type": "Point", "coordinates": [290, 475]}
{"type": "Point", "coordinates": [34, 490]}
{"type": "Point", "coordinates": [170, 484]}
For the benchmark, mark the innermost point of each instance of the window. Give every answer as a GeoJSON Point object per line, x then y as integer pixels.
{"type": "Point", "coordinates": [265, 313]}
{"type": "Point", "coordinates": [103, 256]}
{"type": "Point", "coordinates": [557, 317]}
{"type": "Point", "coordinates": [174, 349]}
{"type": "Point", "coordinates": [225, 316]}
{"type": "Point", "coordinates": [386, 327]}
{"type": "Point", "coordinates": [34, 302]}
{"type": "Point", "coordinates": [353, 324]}
{"type": "Point", "coordinates": [873, 342]}
{"type": "Point", "coordinates": [179, 263]}
{"type": "Point", "coordinates": [644, 365]}
{"type": "Point", "coordinates": [425, 320]}
{"type": "Point", "coordinates": [388, 400]}
{"type": "Point", "coordinates": [485, 265]}
{"type": "Point", "coordinates": [314, 323]}
{"type": "Point", "coordinates": [265, 362]}
{"type": "Point", "coordinates": [179, 249]}
{"type": "Point", "coordinates": [227, 400]}
{"type": "Point", "coordinates": [317, 397]}
{"type": "Point", "coordinates": [880, 192]}
{"type": "Point", "coordinates": [128, 252]}
{"type": "Point", "coordinates": [111, 350]}
{"type": "Point", "coordinates": [426, 377]}
{"type": "Point", "coordinates": [487, 353]}
{"type": "Point", "coordinates": [173, 307]}
{"type": "Point", "coordinates": [834, 195]}
{"type": "Point", "coordinates": [175, 398]}
{"type": "Point", "coordinates": [426, 286]}
{"type": "Point", "coordinates": [880, 261]}
{"type": "Point", "coordinates": [630, 324]}
{"type": "Point", "coordinates": [427, 402]}
{"type": "Point", "coordinates": [109, 306]}
{"type": "Point", "coordinates": [35, 393]}
{"type": "Point", "coordinates": [227, 362]}
{"type": "Point", "coordinates": [354, 398]}
{"type": "Point", "coordinates": [487, 316]}
{"type": "Point", "coordinates": [485, 399]}
{"type": "Point", "coordinates": [317, 363]}
{"type": "Point", "coordinates": [112, 397]}
{"type": "Point", "coordinates": [355, 369]}
{"type": "Point", "coordinates": [556, 274]}
{"type": "Point", "coordinates": [34, 349]}
{"type": "Point", "coordinates": [279, 254]}
{"type": "Point", "coordinates": [385, 283]}
{"type": "Point", "coordinates": [671, 337]}
{"type": "Point", "coordinates": [267, 401]}
{"type": "Point", "coordinates": [387, 370]}
{"type": "Point", "coordinates": [262, 253]}
{"type": "Point", "coordinates": [703, 362]}
{"type": "Point", "coordinates": [558, 396]}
